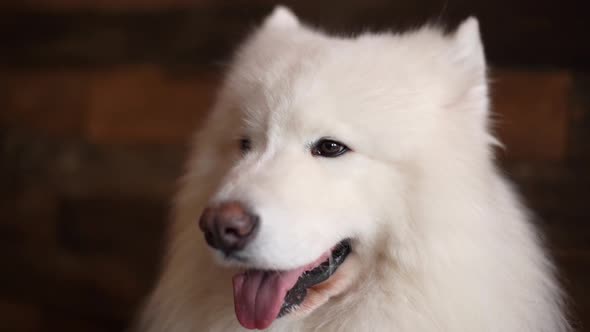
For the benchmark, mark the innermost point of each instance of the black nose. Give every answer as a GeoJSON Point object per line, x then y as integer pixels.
{"type": "Point", "coordinates": [229, 226]}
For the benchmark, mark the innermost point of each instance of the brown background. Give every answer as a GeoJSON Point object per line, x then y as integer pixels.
{"type": "Point", "coordinates": [98, 97]}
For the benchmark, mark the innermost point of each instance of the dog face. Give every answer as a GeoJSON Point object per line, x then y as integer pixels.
{"type": "Point", "coordinates": [383, 98]}
{"type": "Point", "coordinates": [327, 138]}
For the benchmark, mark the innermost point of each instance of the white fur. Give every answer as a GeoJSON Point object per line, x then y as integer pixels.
{"type": "Point", "coordinates": [440, 241]}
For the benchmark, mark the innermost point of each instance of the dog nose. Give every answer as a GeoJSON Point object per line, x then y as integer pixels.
{"type": "Point", "coordinates": [229, 226]}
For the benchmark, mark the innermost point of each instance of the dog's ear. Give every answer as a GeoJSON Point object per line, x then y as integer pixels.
{"type": "Point", "coordinates": [468, 46]}
{"type": "Point", "coordinates": [468, 54]}
{"type": "Point", "coordinates": [281, 17]}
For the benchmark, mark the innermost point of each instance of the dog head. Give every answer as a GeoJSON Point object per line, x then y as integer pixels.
{"type": "Point", "coordinates": [316, 142]}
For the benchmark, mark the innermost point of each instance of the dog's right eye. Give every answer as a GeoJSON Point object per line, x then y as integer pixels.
{"type": "Point", "coordinates": [245, 145]}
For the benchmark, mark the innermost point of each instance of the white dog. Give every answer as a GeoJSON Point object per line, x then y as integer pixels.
{"type": "Point", "coordinates": [348, 184]}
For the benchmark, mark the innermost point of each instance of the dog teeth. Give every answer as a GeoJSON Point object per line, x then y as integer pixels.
{"type": "Point", "coordinates": [330, 265]}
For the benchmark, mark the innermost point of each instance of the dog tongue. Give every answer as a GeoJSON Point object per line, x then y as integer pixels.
{"type": "Point", "coordinates": [259, 295]}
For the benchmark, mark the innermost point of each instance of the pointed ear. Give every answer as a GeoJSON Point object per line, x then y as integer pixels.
{"type": "Point", "coordinates": [281, 17]}
{"type": "Point", "coordinates": [468, 46]}
{"type": "Point", "coordinates": [469, 58]}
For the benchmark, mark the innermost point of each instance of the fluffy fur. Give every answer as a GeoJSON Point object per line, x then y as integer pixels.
{"type": "Point", "coordinates": [440, 241]}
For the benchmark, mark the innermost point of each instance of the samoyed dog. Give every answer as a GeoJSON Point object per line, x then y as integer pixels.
{"type": "Point", "coordinates": [349, 184]}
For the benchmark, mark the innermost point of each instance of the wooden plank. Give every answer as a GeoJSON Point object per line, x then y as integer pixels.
{"type": "Point", "coordinates": [19, 316]}
{"type": "Point", "coordinates": [97, 39]}
{"type": "Point", "coordinates": [579, 131]}
{"type": "Point", "coordinates": [135, 104]}
{"type": "Point", "coordinates": [532, 112]}
{"type": "Point", "coordinates": [108, 5]}
{"type": "Point", "coordinates": [42, 167]}
{"type": "Point", "coordinates": [50, 101]}
{"type": "Point", "coordinates": [68, 32]}
{"type": "Point", "coordinates": [147, 105]}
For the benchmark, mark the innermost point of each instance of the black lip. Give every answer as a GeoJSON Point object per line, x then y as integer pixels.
{"type": "Point", "coordinates": [321, 273]}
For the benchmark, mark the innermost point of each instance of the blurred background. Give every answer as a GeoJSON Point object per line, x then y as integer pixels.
{"type": "Point", "coordinates": [98, 99]}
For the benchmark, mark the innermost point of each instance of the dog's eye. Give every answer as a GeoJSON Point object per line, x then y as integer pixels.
{"type": "Point", "coordinates": [328, 148]}
{"type": "Point", "coordinates": [245, 145]}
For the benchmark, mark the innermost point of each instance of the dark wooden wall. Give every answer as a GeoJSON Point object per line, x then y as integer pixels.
{"type": "Point", "coordinates": [98, 97]}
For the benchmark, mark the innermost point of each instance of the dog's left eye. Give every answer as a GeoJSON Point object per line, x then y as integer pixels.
{"type": "Point", "coordinates": [329, 148]}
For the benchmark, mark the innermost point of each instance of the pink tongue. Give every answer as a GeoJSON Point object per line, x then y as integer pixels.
{"type": "Point", "coordinates": [259, 295]}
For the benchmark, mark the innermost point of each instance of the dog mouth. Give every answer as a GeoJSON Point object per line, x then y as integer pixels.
{"type": "Point", "coordinates": [261, 296]}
